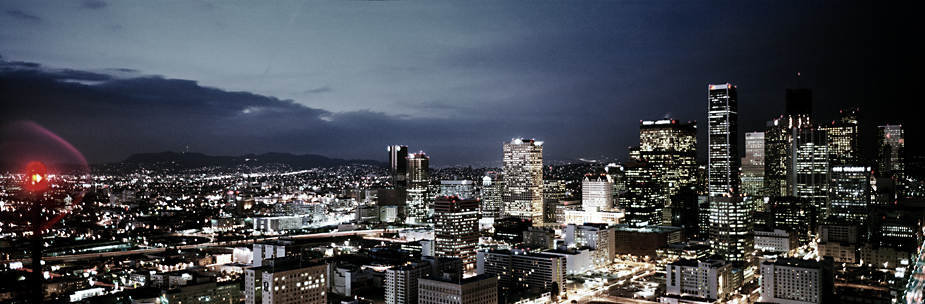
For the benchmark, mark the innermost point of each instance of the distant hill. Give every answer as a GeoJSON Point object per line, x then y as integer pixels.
{"type": "Point", "coordinates": [195, 160]}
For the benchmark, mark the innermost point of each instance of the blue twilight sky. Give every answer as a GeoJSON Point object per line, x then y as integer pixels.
{"type": "Point", "coordinates": [454, 79]}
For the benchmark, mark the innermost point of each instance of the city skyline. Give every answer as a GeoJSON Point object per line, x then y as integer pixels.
{"type": "Point", "coordinates": [450, 79]}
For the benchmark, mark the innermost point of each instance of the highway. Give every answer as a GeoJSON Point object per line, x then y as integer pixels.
{"type": "Point", "coordinates": [84, 256]}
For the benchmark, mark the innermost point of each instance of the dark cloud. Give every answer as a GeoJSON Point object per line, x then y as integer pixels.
{"type": "Point", "coordinates": [93, 4]}
{"type": "Point", "coordinates": [23, 15]}
{"type": "Point", "coordinates": [319, 90]}
{"type": "Point", "coordinates": [117, 117]}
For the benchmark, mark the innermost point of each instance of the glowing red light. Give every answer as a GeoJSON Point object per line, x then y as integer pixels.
{"type": "Point", "coordinates": [36, 177]}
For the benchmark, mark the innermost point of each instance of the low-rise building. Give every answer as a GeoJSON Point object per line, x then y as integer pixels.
{"type": "Point", "coordinates": [452, 289]}
{"type": "Point", "coordinates": [287, 281]}
{"type": "Point", "coordinates": [518, 268]}
{"type": "Point", "coordinates": [643, 241]}
{"type": "Point", "coordinates": [599, 237]}
{"type": "Point", "coordinates": [797, 281]}
{"type": "Point", "coordinates": [710, 279]}
{"type": "Point", "coordinates": [776, 240]}
{"type": "Point", "coordinates": [680, 251]}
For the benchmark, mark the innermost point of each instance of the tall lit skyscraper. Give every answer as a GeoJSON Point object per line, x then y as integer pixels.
{"type": "Point", "coordinates": [724, 140]}
{"type": "Point", "coordinates": [523, 180]}
{"type": "Point", "coordinates": [753, 164]}
{"type": "Point", "coordinates": [731, 231]}
{"type": "Point", "coordinates": [671, 147]}
{"type": "Point", "coordinates": [419, 207]}
{"type": "Point", "coordinates": [398, 165]}
{"type": "Point", "coordinates": [456, 228]}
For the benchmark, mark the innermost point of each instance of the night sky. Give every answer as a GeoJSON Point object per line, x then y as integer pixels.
{"type": "Point", "coordinates": [345, 79]}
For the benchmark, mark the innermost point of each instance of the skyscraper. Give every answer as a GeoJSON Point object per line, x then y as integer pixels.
{"type": "Point", "coordinates": [777, 158]}
{"type": "Point", "coordinates": [731, 231]}
{"type": "Point", "coordinates": [753, 164]}
{"type": "Point", "coordinates": [891, 141]}
{"type": "Point", "coordinates": [731, 228]}
{"type": "Point", "coordinates": [641, 200]}
{"type": "Point", "coordinates": [398, 165]}
{"type": "Point", "coordinates": [850, 193]}
{"type": "Point", "coordinates": [810, 171]}
{"type": "Point", "coordinates": [799, 111]}
{"type": "Point", "coordinates": [492, 187]}
{"type": "Point", "coordinates": [523, 180]}
{"type": "Point", "coordinates": [419, 206]}
{"type": "Point", "coordinates": [843, 138]}
{"type": "Point", "coordinates": [456, 228]}
{"type": "Point", "coordinates": [724, 140]}
{"type": "Point", "coordinates": [671, 148]}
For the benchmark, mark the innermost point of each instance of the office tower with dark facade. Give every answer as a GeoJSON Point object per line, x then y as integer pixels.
{"type": "Point", "coordinates": [523, 180]}
{"type": "Point", "coordinates": [731, 230]}
{"type": "Point", "coordinates": [642, 201]}
{"type": "Point", "coordinates": [777, 148]}
{"type": "Point", "coordinates": [891, 141]}
{"type": "Point", "coordinates": [799, 108]}
{"type": "Point", "coordinates": [419, 206]}
{"type": "Point", "coordinates": [794, 215]}
{"type": "Point", "coordinates": [554, 193]}
{"type": "Point", "coordinates": [849, 196]}
{"type": "Point", "coordinates": [398, 165]}
{"type": "Point", "coordinates": [456, 227]}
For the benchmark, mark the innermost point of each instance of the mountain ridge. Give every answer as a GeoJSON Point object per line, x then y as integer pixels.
{"type": "Point", "coordinates": [192, 159]}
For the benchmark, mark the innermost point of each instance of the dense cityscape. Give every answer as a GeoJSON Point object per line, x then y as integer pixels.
{"type": "Point", "coordinates": [804, 217]}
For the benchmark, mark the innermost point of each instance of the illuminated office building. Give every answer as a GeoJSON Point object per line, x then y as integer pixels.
{"type": "Point", "coordinates": [810, 172]}
{"type": "Point", "coordinates": [523, 180]}
{"type": "Point", "coordinates": [461, 188]}
{"type": "Point", "coordinates": [849, 196]}
{"type": "Point", "coordinates": [456, 228]}
{"type": "Point", "coordinates": [753, 164]}
{"type": "Point", "coordinates": [843, 139]}
{"type": "Point", "coordinates": [724, 140]}
{"type": "Point", "coordinates": [731, 228]}
{"type": "Point", "coordinates": [492, 187]}
{"type": "Point", "coordinates": [671, 147]}
{"type": "Point", "coordinates": [398, 165]}
{"type": "Point", "coordinates": [790, 280]}
{"type": "Point", "coordinates": [597, 193]}
{"type": "Point", "coordinates": [419, 207]}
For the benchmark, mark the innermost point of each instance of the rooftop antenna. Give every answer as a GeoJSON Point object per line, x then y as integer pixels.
{"type": "Point", "coordinates": [798, 80]}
